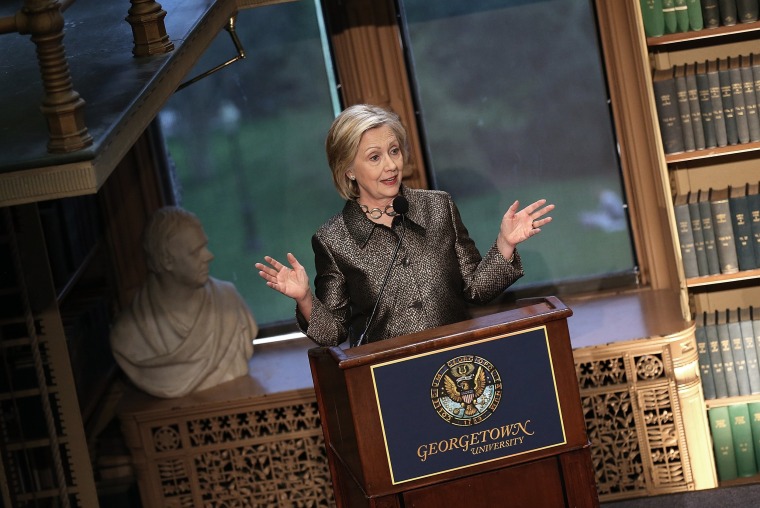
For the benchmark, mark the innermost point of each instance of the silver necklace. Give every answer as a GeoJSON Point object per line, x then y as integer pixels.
{"type": "Point", "coordinates": [376, 213]}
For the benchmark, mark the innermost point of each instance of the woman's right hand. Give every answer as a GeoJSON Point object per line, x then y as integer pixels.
{"type": "Point", "coordinates": [292, 282]}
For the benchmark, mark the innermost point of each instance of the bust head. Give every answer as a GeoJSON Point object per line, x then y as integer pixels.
{"type": "Point", "coordinates": [176, 246]}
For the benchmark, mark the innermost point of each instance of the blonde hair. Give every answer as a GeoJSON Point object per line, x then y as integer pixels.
{"type": "Point", "coordinates": [343, 138]}
{"type": "Point", "coordinates": [162, 226]}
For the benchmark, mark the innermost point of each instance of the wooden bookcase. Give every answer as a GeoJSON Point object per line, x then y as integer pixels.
{"type": "Point", "coordinates": [59, 292]}
{"type": "Point", "coordinates": [44, 447]}
{"type": "Point", "coordinates": [631, 59]}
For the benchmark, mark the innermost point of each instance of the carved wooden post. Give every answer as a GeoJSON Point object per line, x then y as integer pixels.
{"type": "Point", "coordinates": [371, 67]}
{"type": "Point", "coordinates": [61, 105]}
{"type": "Point", "coordinates": [147, 20]}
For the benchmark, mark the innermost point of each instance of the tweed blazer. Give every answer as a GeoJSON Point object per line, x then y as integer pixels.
{"type": "Point", "coordinates": [438, 271]}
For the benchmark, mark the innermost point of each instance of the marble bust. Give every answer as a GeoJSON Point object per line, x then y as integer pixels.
{"type": "Point", "coordinates": [184, 331]}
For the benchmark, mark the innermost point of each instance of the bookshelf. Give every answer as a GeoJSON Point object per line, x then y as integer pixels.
{"type": "Point", "coordinates": [43, 442]}
{"type": "Point", "coordinates": [683, 172]}
{"type": "Point", "coordinates": [59, 293]}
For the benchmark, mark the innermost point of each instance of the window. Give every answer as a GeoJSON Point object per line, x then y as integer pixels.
{"type": "Point", "coordinates": [513, 102]}
{"type": "Point", "coordinates": [247, 146]}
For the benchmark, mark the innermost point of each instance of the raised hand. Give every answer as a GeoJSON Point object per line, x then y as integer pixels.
{"type": "Point", "coordinates": [292, 282]}
{"type": "Point", "coordinates": [518, 226]}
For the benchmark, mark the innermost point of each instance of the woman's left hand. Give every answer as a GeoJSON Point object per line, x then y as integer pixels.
{"type": "Point", "coordinates": [518, 226]}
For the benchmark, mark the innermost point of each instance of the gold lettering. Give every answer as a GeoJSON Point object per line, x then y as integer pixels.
{"type": "Point", "coordinates": [478, 442]}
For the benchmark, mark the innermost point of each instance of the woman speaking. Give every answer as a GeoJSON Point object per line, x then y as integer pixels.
{"type": "Point", "coordinates": [395, 260]}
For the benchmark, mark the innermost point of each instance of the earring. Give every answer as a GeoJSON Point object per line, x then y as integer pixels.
{"type": "Point", "coordinates": [352, 177]}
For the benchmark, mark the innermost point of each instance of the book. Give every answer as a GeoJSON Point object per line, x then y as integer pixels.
{"type": "Point", "coordinates": [727, 353]}
{"type": "Point", "coordinates": [750, 97]}
{"type": "Point", "coordinates": [754, 422]}
{"type": "Point", "coordinates": [708, 233]}
{"type": "Point", "coordinates": [716, 359]}
{"type": "Point", "coordinates": [685, 236]}
{"type": "Point", "coordinates": [669, 15]}
{"type": "Point", "coordinates": [719, 122]}
{"type": "Point", "coordinates": [728, 12]}
{"type": "Point", "coordinates": [664, 86]}
{"type": "Point", "coordinates": [684, 110]}
{"type": "Point", "coordinates": [741, 433]}
{"type": "Point", "coordinates": [754, 317]}
{"type": "Point", "coordinates": [694, 9]}
{"type": "Point", "coordinates": [682, 15]}
{"type": "Point", "coordinates": [703, 357]}
{"type": "Point", "coordinates": [692, 200]}
{"type": "Point", "coordinates": [753, 208]}
{"type": "Point", "coordinates": [692, 94]}
{"type": "Point", "coordinates": [705, 104]}
{"type": "Point", "coordinates": [723, 443]}
{"type": "Point", "coordinates": [750, 349]}
{"type": "Point", "coordinates": [746, 11]}
{"type": "Point", "coordinates": [727, 99]}
{"type": "Point", "coordinates": [742, 228]}
{"type": "Point", "coordinates": [739, 353]}
{"type": "Point", "coordinates": [724, 233]}
{"type": "Point", "coordinates": [710, 13]}
{"type": "Point", "coordinates": [737, 92]}
{"type": "Point", "coordinates": [754, 63]}
{"type": "Point", "coordinates": [652, 16]}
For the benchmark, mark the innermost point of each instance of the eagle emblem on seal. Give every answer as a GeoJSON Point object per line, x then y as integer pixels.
{"type": "Point", "coordinates": [466, 390]}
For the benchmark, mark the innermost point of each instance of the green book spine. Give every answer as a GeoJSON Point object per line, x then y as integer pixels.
{"type": "Point", "coordinates": [664, 87]}
{"type": "Point", "coordinates": [682, 15]}
{"type": "Point", "coordinates": [741, 225]}
{"type": "Point", "coordinates": [727, 354]}
{"type": "Point", "coordinates": [692, 94]}
{"type": "Point", "coordinates": [723, 443]}
{"type": "Point", "coordinates": [654, 21]}
{"type": "Point", "coordinates": [696, 229]}
{"type": "Point", "coordinates": [695, 14]}
{"type": "Point", "coordinates": [703, 357]}
{"type": "Point", "coordinates": [710, 13]}
{"type": "Point", "coordinates": [727, 99]}
{"type": "Point", "coordinates": [711, 249]}
{"type": "Point", "coordinates": [740, 108]}
{"type": "Point", "coordinates": [746, 11]}
{"type": "Point", "coordinates": [750, 349]}
{"type": "Point", "coordinates": [724, 232]}
{"type": "Point", "coordinates": [716, 359]}
{"type": "Point", "coordinates": [754, 423]}
{"type": "Point", "coordinates": [728, 12]}
{"type": "Point", "coordinates": [753, 207]}
{"type": "Point", "coordinates": [669, 14]}
{"type": "Point", "coordinates": [719, 121]}
{"type": "Point", "coordinates": [685, 236]}
{"type": "Point", "coordinates": [741, 432]}
{"type": "Point", "coordinates": [705, 105]}
{"type": "Point", "coordinates": [684, 110]}
{"type": "Point", "coordinates": [750, 98]}
{"type": "Point", "coordinates": [739, 353]}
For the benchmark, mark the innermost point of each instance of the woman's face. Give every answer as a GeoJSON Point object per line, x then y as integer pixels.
{"type": "Point", "coordinates": [377, 167]}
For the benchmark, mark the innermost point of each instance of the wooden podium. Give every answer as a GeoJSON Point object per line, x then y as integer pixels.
{"type": "Point", "coordinates": [484, 412]}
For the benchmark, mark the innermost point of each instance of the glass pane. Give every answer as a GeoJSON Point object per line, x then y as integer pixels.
{"type": "Point", "coordinates": [247, 143]}
{"type": "Point", "coordinates": [514, 106]}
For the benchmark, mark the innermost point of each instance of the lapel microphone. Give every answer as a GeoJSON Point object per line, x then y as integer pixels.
{"type": "Point", "coordinates": [400, 206]}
